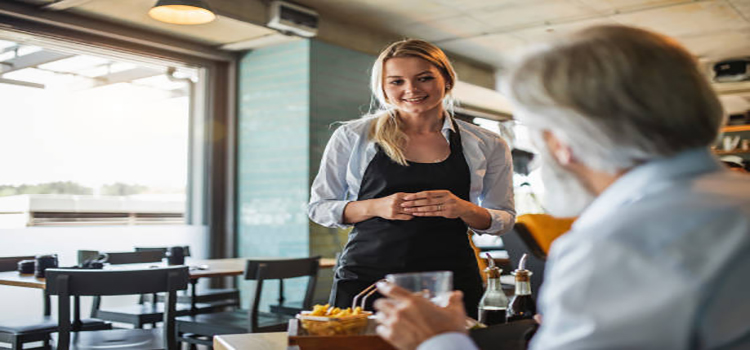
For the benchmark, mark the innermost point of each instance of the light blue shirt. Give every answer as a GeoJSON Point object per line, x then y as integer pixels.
{"type": "Point", "coordinates": [349, 152]}
{"type": "Point", "coordinates": [660, 260]}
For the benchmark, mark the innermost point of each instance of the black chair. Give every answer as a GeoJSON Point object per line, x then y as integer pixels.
{"type": "Point", "coordinates": [520, 241]}
{"type": "Point", "coordinates": [67, 283]}
{"type": "Point", "coordinates": [26, 329]}
{"type": "Point", "coordinates": [29, 329]}
{"type": "Point", "coordinates": [215, 299]}
{"type": "Point", "coordinates": [137, 314]}
{"type": "Point", "coordinates": [200, 329]}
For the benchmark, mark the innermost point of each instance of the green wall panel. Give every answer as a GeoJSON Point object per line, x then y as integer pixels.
{"type": "Point", "coordinates": [290, 96]}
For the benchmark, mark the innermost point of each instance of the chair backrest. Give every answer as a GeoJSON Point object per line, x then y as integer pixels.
{"type": "Point", "coordinates": [67, 283]}
{"type": "Point", "coordinates": [280, 269]}
{"type": "Point", "coordinates": [545, 228]}
{"type": "Point", "coordinates": [149, 256]}
{"type": "Point", "coordinates": [11, 263]}
{"type": "Point", "coordinates": [162, 249]}
{"type": "Point", "coordinates": [518, 242]}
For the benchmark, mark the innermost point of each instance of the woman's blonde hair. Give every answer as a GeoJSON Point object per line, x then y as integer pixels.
{"type": "Point", "coordinates": [386, 128]}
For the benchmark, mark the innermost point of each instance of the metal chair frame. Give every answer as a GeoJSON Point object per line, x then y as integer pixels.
{"type": "Point", "coordinates": [67, 283]}
{"type": "Point", "coordinates": [43, 332]}
{"type": "Point", "coordinates": [195, 333]}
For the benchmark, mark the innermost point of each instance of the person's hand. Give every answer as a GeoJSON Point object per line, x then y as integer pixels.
{"type": "Point", "coordinates": [435, 203]}
{"type": "Point", "coordinates": [390, 207]}
{"type": "Point", "coordinates": [538, 319]}
{"type": "Point", "coordinates": [407, 319]}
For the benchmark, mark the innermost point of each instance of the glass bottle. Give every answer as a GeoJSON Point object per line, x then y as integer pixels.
{"type": "Point", "coordinates": [522, 306]}
{"type": "Point", "coordinates": [493, 305]}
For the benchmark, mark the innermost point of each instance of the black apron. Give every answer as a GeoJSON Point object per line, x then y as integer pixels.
{"type": "Point", "coordinates": [378, 246]}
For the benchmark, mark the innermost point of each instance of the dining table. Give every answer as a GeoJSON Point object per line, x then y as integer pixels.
{"type": "Point", "coordinates": [255, 341]}
{"type": "Point", "coordinates": [199, 268]}
{"type": "Point", "coordinates": [508, 336]}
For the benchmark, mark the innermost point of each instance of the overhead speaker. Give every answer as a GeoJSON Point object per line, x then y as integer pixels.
{"type": "Point", "coordinates": [731, 70]}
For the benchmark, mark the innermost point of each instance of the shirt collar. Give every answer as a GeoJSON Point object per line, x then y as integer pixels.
{"type": "Point", "coordinates": [447, 125]}
{"type": "Point", "coordinates": [645, 179]}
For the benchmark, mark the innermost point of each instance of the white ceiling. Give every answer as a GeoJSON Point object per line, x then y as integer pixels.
{"type": "Point", "coordinates": [488, 30]}
{"type": "Point", "coordinates": [485, 30]}
{"type": "Point", "coordinates": [480, 30]}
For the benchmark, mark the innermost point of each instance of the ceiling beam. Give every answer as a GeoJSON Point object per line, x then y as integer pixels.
{"type": "Point", "coordinates": [10, 48]}
{"type": "Point", "coordinates": [64, 4]}
{"type": "Point", "coordinates": [31, 60]}
{"type": "Point", "coordinates": [21, 83]}
{"type": "Point", "coordinates": [126, 76]}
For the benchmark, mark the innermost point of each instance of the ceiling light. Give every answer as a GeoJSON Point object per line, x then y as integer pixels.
{"type": "Point", "coordinates": [182, 12]}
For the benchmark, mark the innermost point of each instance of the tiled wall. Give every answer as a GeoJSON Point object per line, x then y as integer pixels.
{"type": "Point", "coordinates": [340, 91]}
{"type": "Point", "coordinates": [289, 95]}
{"type": "Point", "coordinates": [272, 155]}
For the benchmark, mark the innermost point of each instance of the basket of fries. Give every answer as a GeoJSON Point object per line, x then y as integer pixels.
{"type": "Point", "coordinates": [326, 321]}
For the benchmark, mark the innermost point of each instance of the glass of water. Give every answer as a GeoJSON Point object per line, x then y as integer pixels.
{"type": "Point", "coordinates": [434, 285]}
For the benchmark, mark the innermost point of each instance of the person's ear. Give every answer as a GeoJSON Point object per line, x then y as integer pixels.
{"type": "Point", "coordinates": [558, 149]}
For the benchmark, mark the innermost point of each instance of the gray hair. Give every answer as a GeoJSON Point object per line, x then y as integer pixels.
{"type": "Point", "coordinates": [618, 96]}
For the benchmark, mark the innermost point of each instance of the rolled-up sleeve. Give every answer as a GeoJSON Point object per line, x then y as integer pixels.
{"type": "Point", "coordinates": [497, 190]}
{"type": "Point", "coordinates": [328, 194]}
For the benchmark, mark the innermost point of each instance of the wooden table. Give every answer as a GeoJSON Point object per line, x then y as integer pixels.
{"type": "Point", "coordinates": [214, 268]}
{"type": "Point", "coordinates": [254, 341]}
{"type": "Point", "coordinates": [199, 268]}
{"type": "Point", "coordinates": [512, 336]}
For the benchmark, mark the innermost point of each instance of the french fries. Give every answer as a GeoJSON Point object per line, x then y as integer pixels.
{"type": "Point", "coordinates": [335, 321]}
{"type": "Point", "coordinates": [327, 311]}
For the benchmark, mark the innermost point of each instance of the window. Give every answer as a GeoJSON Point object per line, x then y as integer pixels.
{"type": "Point", "coordinates": [528, 186]}
{"type": "Point", "coordinates": [91, 139]}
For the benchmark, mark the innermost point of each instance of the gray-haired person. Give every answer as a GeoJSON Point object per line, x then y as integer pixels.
{"type": "Point", "coordinates": [660, 254]}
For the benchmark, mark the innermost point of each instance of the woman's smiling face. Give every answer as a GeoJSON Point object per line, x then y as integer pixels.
{"type": "Point", "coordinates": [413, 85]}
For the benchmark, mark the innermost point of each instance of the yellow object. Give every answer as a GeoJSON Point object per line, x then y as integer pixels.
{"type": "Point", "coordinates": [545, 228]}
{"type": "Point", "coordinates": [481, 262]}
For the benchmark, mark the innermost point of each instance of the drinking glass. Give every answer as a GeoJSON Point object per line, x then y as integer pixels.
{"type": "Point", "coordinates": [434, 285]}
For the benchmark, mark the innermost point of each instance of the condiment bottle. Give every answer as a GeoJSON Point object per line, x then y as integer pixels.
{"type": "Point", "coordinates": [493, 305]}
{"type": "Point", "coordinates": [522, 306]}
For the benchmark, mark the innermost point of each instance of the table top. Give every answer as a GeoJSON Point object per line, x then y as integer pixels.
{"type": "Point", "coordinates": [255, 341]}
{"type": "Point", "coordinates": [215, 268]}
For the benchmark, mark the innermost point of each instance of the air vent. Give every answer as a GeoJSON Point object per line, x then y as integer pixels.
{"type": "Point", "coordinates": [291, 18]}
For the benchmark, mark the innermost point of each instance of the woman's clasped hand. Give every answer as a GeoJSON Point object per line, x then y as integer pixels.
{"type": "Point", "coordinates": [405, 206]}
{"type": "Point", "coordinates": [441, 203]}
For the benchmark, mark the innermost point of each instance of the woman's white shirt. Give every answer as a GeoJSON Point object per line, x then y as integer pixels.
{"type": "Point", "coordinates": [349, 152]}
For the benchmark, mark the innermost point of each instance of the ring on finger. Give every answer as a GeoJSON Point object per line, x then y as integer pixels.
{"type": "Point", "coordinates": [440, 207]}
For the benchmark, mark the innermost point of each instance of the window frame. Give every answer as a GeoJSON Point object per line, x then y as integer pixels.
{"type": "Point", "coordinates": [212, 149]}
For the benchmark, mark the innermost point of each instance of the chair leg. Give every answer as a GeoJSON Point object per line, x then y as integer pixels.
{"type": "Point", "coordinates": [16, 345]}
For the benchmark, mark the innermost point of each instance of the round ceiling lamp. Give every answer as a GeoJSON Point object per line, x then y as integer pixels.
{"type": "Point", "coordinates": [182, 12]}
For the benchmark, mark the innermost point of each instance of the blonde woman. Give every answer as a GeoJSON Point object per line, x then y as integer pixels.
{"type": "Point", "coordinates": [411, 179]}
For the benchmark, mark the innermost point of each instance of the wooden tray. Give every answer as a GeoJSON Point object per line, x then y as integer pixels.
{"type": "Point", "coordinates": [368, 341]}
